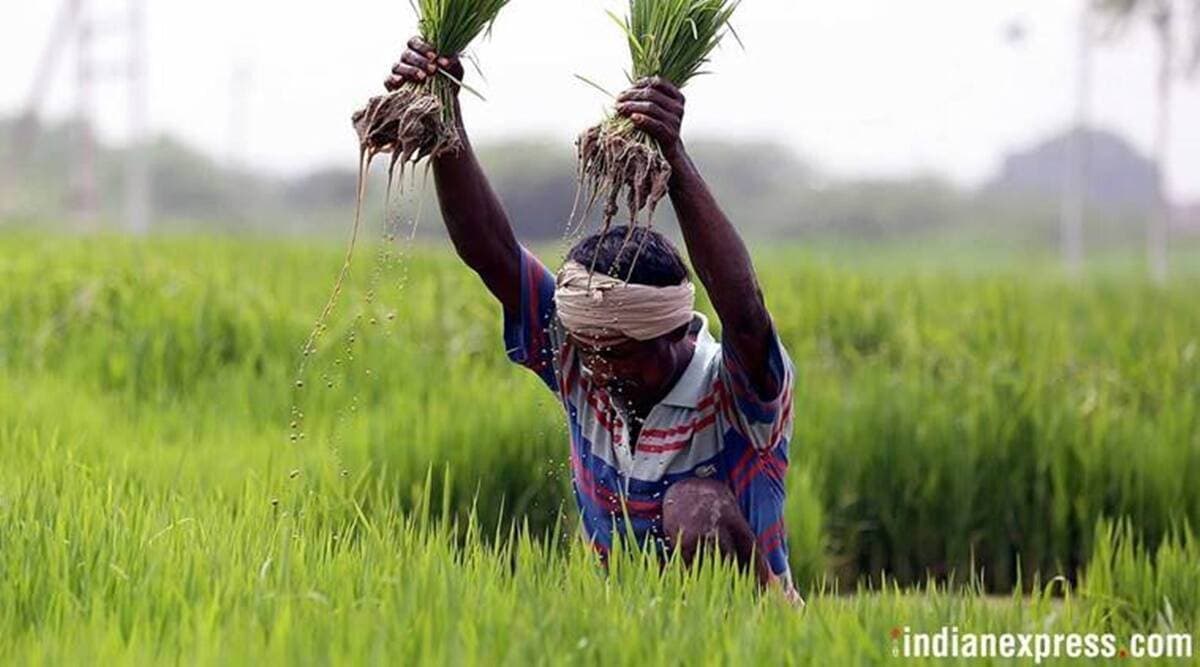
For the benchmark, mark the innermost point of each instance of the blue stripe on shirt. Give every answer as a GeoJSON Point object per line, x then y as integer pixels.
{"type": "Point", "coordinates": [527, 333]}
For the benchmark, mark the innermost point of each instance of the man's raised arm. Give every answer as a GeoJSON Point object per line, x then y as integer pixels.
{"type": "Point", "coordinates": [717, 252]}
{"type": "Point", "coordinates": [474, 217]}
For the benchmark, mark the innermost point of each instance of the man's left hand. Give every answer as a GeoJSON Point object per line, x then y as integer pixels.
{"type": "Point", "coordinates": [655, 106]}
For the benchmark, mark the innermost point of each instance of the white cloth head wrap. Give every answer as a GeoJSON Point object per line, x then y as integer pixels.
{"type": "Point", "coordinates": [604, 309]}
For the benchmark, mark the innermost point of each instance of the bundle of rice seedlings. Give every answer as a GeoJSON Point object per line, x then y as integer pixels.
{"type": "Point", "coordinates": [671, 39]}
{"type": "Point", "coordinates": [417, 120]}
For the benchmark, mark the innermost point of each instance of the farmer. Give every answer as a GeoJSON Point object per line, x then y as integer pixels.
{"type": "Point", "coordinates": [680, 435]}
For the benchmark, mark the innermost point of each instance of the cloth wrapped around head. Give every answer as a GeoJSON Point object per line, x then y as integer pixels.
{"type": "Point", "coordinates": [605, 310]}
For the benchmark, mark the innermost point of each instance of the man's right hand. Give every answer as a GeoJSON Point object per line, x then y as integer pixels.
{"type": "Point", "coordinates": [420, 62]}
{"type": "Point", "coordinates": [474, 217]}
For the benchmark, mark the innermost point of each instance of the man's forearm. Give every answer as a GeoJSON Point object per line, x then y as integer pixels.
{"type": "Point", "coordinates": [718, 254]}
{"type": "Point", "coordinates": [723, 265]}
{"type": "Point", "coordinates": [472, 212]}
{"type": "Point", "coordinates": [476, 221]}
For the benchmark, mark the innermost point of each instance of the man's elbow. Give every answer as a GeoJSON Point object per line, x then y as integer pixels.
{"type": "Point", "coordinates": [488, 256]}
{"type": "Point", "coordinates": [747, 314]}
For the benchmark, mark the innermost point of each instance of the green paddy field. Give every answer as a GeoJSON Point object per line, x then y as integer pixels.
{"type": "Point", "coordinates": [982, 444]}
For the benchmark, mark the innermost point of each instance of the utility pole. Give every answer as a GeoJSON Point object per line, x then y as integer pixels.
{"type": "Point", "coordinates": [237, 133]}
{"type": "Point", "coordinates": [77, 26]}
{"type": "Point", "coordinates": [1159, 231]}
{"type": "Point", "coordinates": [84, 198]}
{"type": "Point", "coordinates": [137, 167]}
{"type": "Point", "coordinates": [24, 127]}
{"type": "Point", "coordinates": [1073, 205]}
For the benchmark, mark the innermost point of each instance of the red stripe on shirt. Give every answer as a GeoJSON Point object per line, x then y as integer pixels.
{"type": "Point", "coordinates": [601, 412]}
{"type": "Point", "coordinates": [766, 463]}
{"type": "Point", "coordinates": [608, 500]}
{"type": "Point", "coordinates": [777, 431]}
{"type": "Point", "coordinates": [714, 398]}
{"type": "Point", "coordinates": [682, 443]}
{"type": "Point", "coordinates": [772, 538]}
{"type": "Point", "coordinates": [681, 436]}
{"type": "Point", "coordinates": [747, 456]}
{"type": "Point", "coordinates": [568, 370]}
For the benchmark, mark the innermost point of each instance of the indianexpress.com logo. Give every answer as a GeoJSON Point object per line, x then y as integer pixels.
{"type": "Point", "coordinates": [950, 643]}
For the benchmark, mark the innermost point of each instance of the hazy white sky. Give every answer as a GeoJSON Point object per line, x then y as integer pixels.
{"type": "Point", "coordinates": [859, 87]}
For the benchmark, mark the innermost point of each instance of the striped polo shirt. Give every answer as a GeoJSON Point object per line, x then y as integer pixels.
{"type": "Point", "coordinates": [711, 424]}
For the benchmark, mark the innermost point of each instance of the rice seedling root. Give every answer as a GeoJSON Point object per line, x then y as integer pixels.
{"type": "Point", "coordinates": [617, 159]}
{"type": "Point", "coordinates": [410, 124]}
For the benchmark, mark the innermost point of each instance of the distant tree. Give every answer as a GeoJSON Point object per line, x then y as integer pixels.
{"type": "Point", "coordinates": [1164, 17]}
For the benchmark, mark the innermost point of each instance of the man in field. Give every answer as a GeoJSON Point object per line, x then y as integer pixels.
{"type": "Point", "coordinates": [672, 432]}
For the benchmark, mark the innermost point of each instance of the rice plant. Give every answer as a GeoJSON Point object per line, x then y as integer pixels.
{"type": "Point", "coordinates": [417, 120]}
{"type": "Point", "coordinates": [946, 425]}
{"type": "Point", "coordinates": [671, 39]}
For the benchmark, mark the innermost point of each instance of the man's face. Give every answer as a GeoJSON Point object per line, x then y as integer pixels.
{"type": "Point", "coordinates": [633, 372]}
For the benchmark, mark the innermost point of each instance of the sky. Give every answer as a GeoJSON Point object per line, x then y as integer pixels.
{"type": "Point", "coordinates": [859, 88]}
